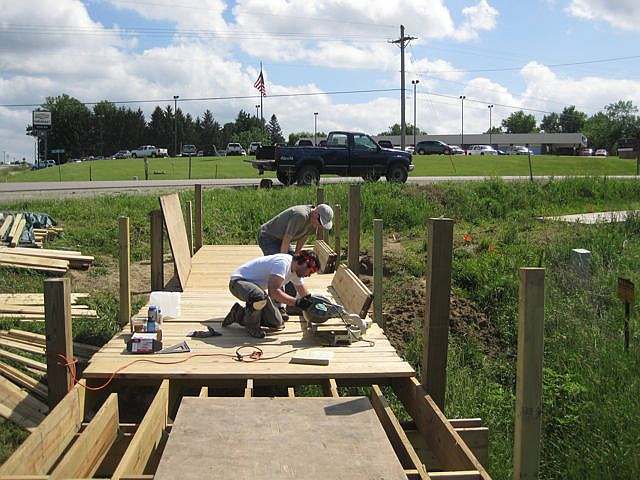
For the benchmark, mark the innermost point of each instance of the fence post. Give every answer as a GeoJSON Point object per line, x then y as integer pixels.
{"type": "Point", "coordinates": [157, 245]}
{"type": "Point", "coordinates": [125, 272]}
{"type": "Point", "coordinates": [189, 226]}
{"type": "Point", "coordinates": [526, 446]}
{"type": "Point", "coordinates": [435, 331]}
{"type": "Point", "coordinates": [59, 340]}
{"type": "Point", "coordinates": [319, 200]}
{"type": "Point", "coordinates": [198, 221]}
{"type": "Point", "coordinates": [377, 273]}
{"type": "Point", "coordinates": [337, 231]}
{"type": "Point", "coordinates": [353, 254]}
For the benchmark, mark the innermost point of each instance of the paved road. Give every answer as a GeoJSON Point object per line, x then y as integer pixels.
{"type": "Point", "coordinates": [30, 190]}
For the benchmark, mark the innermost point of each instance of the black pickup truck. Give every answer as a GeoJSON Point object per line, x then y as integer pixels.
{"type": "Point", "coordinates": [346, 154]}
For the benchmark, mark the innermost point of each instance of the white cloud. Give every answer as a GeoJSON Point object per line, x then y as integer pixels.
{"type": "Point", "coordinates": [478, 18]}
{"type": "Point", "coordinates": [622, 14]}
{"type": "Point", "coordinates": [188, 16]}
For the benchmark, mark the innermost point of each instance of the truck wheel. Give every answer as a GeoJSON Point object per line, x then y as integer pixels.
{"type": "Point", "coordinates": [421, 152]}
{"type": "Point", "coordinates": [133, 155]}
{"type": "Point", "coordinates": [371, 177]}
{"type": "Point", "coordinates": [308, 175]}
{"type": "Point", "coordinates": [397, 173]}
{"type": "Point", "coordinates": [285, 177]}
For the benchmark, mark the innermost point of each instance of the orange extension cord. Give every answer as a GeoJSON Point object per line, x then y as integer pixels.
{"type": "Point", "coordinates": [254, 356]}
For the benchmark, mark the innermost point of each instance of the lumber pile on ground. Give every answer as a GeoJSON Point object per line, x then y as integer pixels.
{"type": "Point", "coordinates": [13, 225]}
{"type": "Point", "coordinates": [30, 306]}
{"type": "Point", "coordinates": [46, 260]}
{"type": "Point", "coordinates": [23, 388]}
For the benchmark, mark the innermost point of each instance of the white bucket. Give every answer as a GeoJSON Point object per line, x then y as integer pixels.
{"type": "Point", "coordinates": [167, 302]}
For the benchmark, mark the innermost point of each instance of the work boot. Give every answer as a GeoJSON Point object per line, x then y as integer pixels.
{"type": "Point", "coordinates": [256, 332]}
{"type": "Point", "coordinates": [283, 313]}
{"type": "Point", "coordinates": [235, 315]}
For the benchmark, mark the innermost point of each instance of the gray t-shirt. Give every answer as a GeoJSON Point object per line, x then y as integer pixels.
{"type": "Point", "coordinates": [294, 221]}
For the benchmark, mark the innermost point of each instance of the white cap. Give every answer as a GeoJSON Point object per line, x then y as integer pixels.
{"type": "Point", "coordinates": [325, 214]}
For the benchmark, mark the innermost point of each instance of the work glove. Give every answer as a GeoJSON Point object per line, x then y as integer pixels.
{"type": "Point", "coordinates": [304, 303]}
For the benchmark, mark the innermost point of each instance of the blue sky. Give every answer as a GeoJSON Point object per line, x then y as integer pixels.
{"type": "Point", "coordinates": [132, 49]}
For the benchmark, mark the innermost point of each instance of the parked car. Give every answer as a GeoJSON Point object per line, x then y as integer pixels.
{"type": "Point", "coordinates": [410, 149]}
{"type": "Point", "coordinates": [586, 152]}
{"type": "Point", "coordinates": [501, 152]}
{"type": "Point", "coordinates": [456, 150]}
{"type": "Point", "coordinates": [189, 149]}
{"type": "Point", "coordinates": [253, 147]}
{"type": "Point", "coordinates": [122, 154]}
{"type": "Point", "coordinates": [602, 152]}
{"type": "Point", "coordinates": [481, 150]}
{"type": "Point", "coordinates": [519, 150]}
{"type": "Point", "coordinates": [149, 151]}
{"type": "Point", "coordinates": [235, 149]}
{"type": "Point", "coordinates": [304, 142]}
{"type": "Point", "coordinates": [432, 147]}
{"type": "Point", "coordinates": [323, 143]}
{"type": "Point", "coordinates": [385, 143]}
{"type": "Point", "coordinates": [346, 154]}
{"type": "Point", "coordinates": [39, 165]}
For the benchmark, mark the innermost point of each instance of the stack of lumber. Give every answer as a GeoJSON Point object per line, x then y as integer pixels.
{"type": "Point", "coordinates": [23, 390]}
{"type": "Point", "coordinates": [328, 258]}
{"type": "Point", "coordinates": [52, 261]}
{"type": "Point", "coordinates": [12, 226]}
{"type": "Point", "coordinates": [30, 306]}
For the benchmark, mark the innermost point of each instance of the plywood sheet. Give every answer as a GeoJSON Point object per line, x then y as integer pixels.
{"type": "Point", "coordinates": [177, 232]}
{"type": "Point", "coordinates": [278, 438]}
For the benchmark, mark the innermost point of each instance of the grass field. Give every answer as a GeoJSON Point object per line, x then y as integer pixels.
{"type": "Point", "coordinates": [235, 167]}
{"type": "Point", "coordinates": [591, 394]}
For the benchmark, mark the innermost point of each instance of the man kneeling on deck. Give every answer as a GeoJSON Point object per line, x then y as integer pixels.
{"type": "Point", "coordinates": [249, 282]}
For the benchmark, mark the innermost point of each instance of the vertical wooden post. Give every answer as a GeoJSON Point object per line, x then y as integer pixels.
{"type": "Point", "coordinates": [319, 200]}
{"type": "Point", "coordinates": [435, 331]}
{"type": "Point", "coordinates": [125, 272]}
{"type": "Point", "coordinates": [197, 244]}
{"type": "Point", "coordinates": [353, 253]}
{"type": "Point", "coordinates": [157, 245]}
{"type": "Point", "coordinates": [189, 226]}
{"type": "Point", "coordinates": [526, 447]}
{"type": "Point", "coordinates": [337, 231]}
{"type": "Point", "coordinates": [377, 272]}
{"type": "Point", "coordinates": [57, 314]}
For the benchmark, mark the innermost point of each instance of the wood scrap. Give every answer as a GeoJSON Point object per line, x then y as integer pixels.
{"type": "Point", "coordinates": [19, 406]}
{"type": "Point", "coordinates": [6, 225]}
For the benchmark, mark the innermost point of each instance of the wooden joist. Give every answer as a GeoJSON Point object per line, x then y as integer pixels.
{"type": "Point", "coordinates": [27, 362]}
{"type": "Point", "coordinates": [31, 261]}
{"type": "Point", "coordinates": [39, 340]}
{"type": "Point", "coordinates": [84, 457]}
{"type": "Point", "coordinates": [327, 257]}
{"type": "Point", "coordinates": [76, 259]}
{"type": "Point", "coordinates": [147, 436]}
{"type": "Point", "coordinates": [354, 295]}
{"type": "Point", "coordinates": [39, 310]}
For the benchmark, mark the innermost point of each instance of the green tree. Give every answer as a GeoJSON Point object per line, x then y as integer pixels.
{"type": "Point", "coordinates": [395, 130]}
{"type": "Point", "coordinates": [495, 129]}
{"type": "Point", "coordinates": [274, 131]}
{"type": "Point", "coordinates": [624, 121]}
{"type": "Point", "coordinates": [599, 132]}
{"type": "Point", "coordinates": [519, 122]}
{"type": "Point", "coordinates": [572, 120]}
{"type": "Point", "coordinates": [295, 136]}
{"type": "Point", "coordinates": [550, 123]}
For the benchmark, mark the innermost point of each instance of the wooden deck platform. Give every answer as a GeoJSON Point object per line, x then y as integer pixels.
{"type": "Point", "coordinates": [206, 300]}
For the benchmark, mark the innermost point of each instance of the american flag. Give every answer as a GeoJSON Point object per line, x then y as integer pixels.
{"type": "Point", "coordinates": [260, 84]}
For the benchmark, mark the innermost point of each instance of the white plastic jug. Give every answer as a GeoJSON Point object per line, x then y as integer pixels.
{"type": "Point", "coordinates": [167, 302]}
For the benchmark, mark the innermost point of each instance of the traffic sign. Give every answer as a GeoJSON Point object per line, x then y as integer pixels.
{"type": "Point", "coordinates": [59, 150]}
{"type": "Point", "coordinates": [41, 120]}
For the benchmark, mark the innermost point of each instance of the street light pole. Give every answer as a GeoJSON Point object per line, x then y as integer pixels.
{"type": "Point", "coordinates": [414, 83]}
{"type": "Point", "coordinates": [490, 126]}
{"type": "Point", "coordinates": [175, 124]}
{"type": "Point", "coordinates": [257, 107]}
{"type": "Point", "coordinates": [462, 97]}
{"type": "Point", "coordinates": [315, 129]}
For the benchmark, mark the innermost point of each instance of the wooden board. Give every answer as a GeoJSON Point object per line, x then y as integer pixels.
{"type": "Point", "coordinates": [353, 294]}
{"type": "Point", "coordinates": [330, 438]}
{"type": "Point", "coordinates": [177, 232]}
{"type": "Point", "coordinates": [15, 239]}
{"type": "Point", "coordinates": [19, 406]}
{"type": "Point", "coordinates": [35, 261]}
{"type": "Point", "coordinates": [6, 224]}
{"type": "Point", "coordinates": [326, 256]}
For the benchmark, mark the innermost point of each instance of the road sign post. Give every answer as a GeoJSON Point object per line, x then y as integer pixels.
{"type": "Point", "coordinates": [626, 293]}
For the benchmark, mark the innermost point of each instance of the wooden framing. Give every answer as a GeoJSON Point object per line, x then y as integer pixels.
{"type": "Point", "coordinates": [435, 330]}
{"type": "Point", "coordinates": [57, 307]}
{"type": "Point", "coordinates": [526, 447]}
{"type": "Point", "coordinates": [337, 230]}
{"type": "Point", "coordinates": [125, 272]}
{"type": "Point", "coordinates": [198, 236]}
{"type": "Point", "coordinates": [353, 254]}
{"type": "Point", "coordinates": [319, 200]}
{"type": "Point", "coordinates": [157, 246]}
{"type": "Point", "coordinates": [189, 221]}
{"type": "Point", "coordinates": [326, 256]}
{"type": "Point", "coordinates": [377, 273]}
{"type": "Point", "coordinates": [355, 296]}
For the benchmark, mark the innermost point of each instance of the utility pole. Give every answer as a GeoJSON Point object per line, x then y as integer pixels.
{"type": "Point", "coordinates": [414, 83]}
{"type": "Point", "coordinates": [315, 129]}
{"type": "Point", "coordinates": [175, 124]}
{"type": "Point", "coordinates": [462, 97]}
{"type": "Point", "coordinates": [257, 107]}
{"type": "Point", "coordinates": [490, 127]}
{"type": "Point", "coordinates": [403, 42]}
